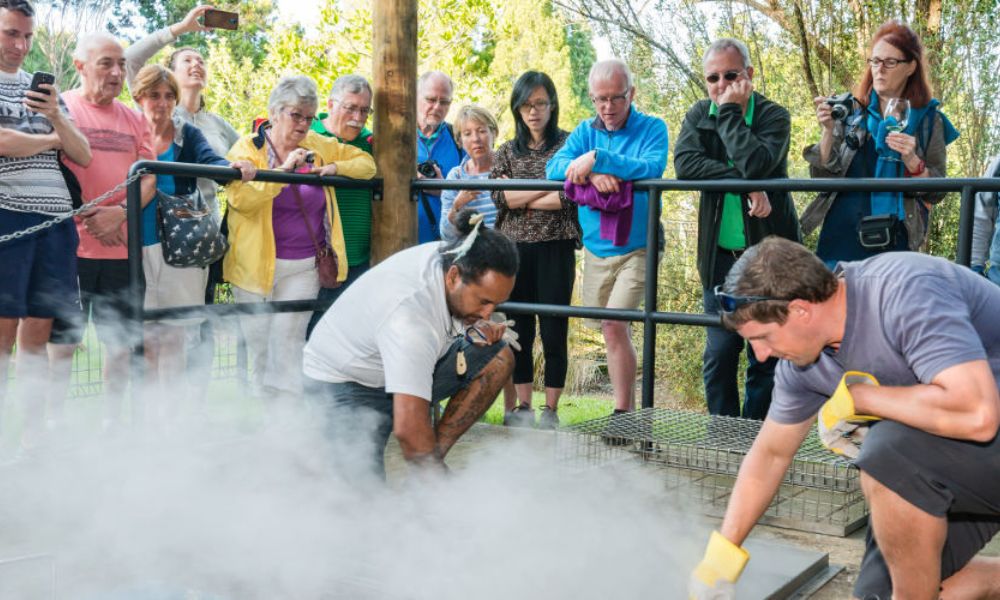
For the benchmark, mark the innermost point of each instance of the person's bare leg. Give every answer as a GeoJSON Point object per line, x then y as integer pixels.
{"type": "Point", "coordinates": [31, 371]}
{"type": "Point", "coordinates": [910, 539]}
{"type": "Point", "coordinates": [510, 395]}
{"type": "Point", "coordinates": [470, 404]}
{"type": "Point", "coordinates": [116, 378]}
{"type": "Point", "coordinates": [552, 396]}
{"type": "Point", "coordinates": [622, 363]}
{"type": "Point", "coordinates": [978, 580]}
{"type": "Point", "coordinates": [524, 393]}
{"type": "Point", "coordinates": [8, 333]}
{"type": "Point", "coordinates": [60, 371]}
{"type": "Point", "coordinates": [173, 383]}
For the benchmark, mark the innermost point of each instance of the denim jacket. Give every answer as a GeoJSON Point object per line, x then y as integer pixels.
{"type": "Point", "coordinates": [985, 238]}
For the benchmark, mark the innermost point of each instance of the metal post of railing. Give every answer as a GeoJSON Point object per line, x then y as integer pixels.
{"type": "Point", "coordinates": [966, 214]}
{"type": "Point", "coordinates": [650, 288]}
{"type": "Point", "coordinates": [134, 327]}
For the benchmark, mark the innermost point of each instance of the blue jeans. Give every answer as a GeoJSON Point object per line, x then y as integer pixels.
{"type": "Point", "coordinates": [722, 358]}
{"type": "Point", "coordinates": [359, 418]}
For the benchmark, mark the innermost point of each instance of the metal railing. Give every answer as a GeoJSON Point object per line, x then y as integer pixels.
{"type": "Point", "coordinates": [648, 315]}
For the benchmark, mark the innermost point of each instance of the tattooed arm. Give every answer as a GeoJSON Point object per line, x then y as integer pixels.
{"type": "Point", "coordinates": [469, 405]}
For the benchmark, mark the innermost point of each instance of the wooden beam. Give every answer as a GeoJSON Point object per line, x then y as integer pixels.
{"type": "Point", "coordinates": [395, 141]}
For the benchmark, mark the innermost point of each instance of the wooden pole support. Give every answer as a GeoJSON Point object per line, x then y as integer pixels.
{"type": "Point", "coordinates": [395, 81]}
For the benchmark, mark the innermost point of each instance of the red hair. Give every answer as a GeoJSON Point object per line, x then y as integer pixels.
{"type": "Point", "coordinates": [899, 36]}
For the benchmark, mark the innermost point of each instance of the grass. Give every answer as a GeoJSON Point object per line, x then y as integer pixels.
{"type": "Point", "coordinates": [572, 409]}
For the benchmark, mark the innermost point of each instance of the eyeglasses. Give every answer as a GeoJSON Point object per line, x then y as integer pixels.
{"type": "Point", "coordinates": [728, 76]}
{"type": "Point", "coordinates": [539, 106]}
{"type": "Point", "coordinates": [299, 117]}
{"type": "Point", "coordinates": [361, 111]}
{"type": "Point", "coordinates": [732, 302]}
{"type": "Point", "coordinates": [888, 63]}
{"type": "Point", "coordinates": [436, 100]}
{"type": "Point", "coordinates": [613, 100]}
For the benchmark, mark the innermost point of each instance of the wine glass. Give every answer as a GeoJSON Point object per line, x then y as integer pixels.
{"type": "Point", "coordinates": [899, 110]}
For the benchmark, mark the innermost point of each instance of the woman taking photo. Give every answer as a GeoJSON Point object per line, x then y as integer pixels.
{"type": "Point", "coordinates": [892, 128]}
{"type": "Point", "coordinates": [155, 91]}
{"type": "Point", "coordinates": [275, 229]}
{"type": "Point", "coordinates": [545, 227]}
{"type": "Point", "coordinates": [476, 131]}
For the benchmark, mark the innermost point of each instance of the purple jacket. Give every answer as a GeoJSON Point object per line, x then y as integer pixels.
{"type": "Point", "coordinates": [615, 208]}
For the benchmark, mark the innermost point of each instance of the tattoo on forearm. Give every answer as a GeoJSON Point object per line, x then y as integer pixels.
{"type": "Point", "coordinates": [470, 404]}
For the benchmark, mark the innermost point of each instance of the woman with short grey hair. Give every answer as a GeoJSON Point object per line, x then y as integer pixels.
{"type": "Point", "coordinates": [276, 230]}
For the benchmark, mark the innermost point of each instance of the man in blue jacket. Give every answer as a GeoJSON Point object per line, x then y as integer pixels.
{"type": "Point", "coordinates": [437, 150]}
{"type": "Point", "coordinates": [620, 144]}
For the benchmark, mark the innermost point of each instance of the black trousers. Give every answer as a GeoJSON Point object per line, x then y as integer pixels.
{"type": "Point", "coordinates": [546, 275]}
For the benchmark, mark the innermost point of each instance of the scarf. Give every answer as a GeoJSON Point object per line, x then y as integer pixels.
{"type": "Point", "coordinates": [888, 165]}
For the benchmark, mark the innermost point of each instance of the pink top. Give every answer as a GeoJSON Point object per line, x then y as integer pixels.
{"type": "Point", "coordinates": [118, 137]}
{"type": "Point", "coordinates": [291, 238]}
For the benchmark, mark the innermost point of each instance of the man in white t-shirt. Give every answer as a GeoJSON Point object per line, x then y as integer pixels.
{"type": "Point", "coordinates": [413, 330]}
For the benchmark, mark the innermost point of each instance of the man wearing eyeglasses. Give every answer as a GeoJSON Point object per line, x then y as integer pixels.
{"type": "Point", "coordinates": [619, 145]}
{"type": "Point", "coordinates": [437, 150]}
{"type": "Point", "coordinates": [349, 105]}
{"type": "Point", "coordinates": [736, 133]}
{"type": "Point", "coordinates": [897, 359]}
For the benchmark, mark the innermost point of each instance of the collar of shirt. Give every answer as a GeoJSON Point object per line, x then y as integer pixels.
{"type": "Point", "coordinates": [713, 111]}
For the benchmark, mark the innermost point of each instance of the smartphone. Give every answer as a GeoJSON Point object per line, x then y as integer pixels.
{"type": "Point", "coordinates": [39, 78]}
{"type": "Point", "coordinates": [220, 19]}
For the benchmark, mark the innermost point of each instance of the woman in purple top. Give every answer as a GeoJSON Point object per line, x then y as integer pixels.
{"type": "Point", "coordinates": [272, 228]}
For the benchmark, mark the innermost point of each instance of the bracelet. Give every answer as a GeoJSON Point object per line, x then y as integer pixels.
{"type": "Point", "coordinates": [920, 169]}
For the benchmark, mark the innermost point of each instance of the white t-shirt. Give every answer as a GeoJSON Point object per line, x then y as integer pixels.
{"type": "Point", "coordinates": [388, 329]}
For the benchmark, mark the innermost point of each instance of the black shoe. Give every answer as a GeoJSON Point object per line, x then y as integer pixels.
{"type": "Point", "coordinates": [521, 416]}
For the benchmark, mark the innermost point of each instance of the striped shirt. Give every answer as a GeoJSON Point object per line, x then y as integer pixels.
{"type": "Point", "coordinates": [30, 183]}
{"type": "Point", "coordinates": [482, 203]}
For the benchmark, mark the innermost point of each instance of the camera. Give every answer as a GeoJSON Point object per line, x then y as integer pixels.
{"type": "Point", "coordinates": [841, 106]}
{"type": "Point", "coordinates": [426, 168]}
{"type": "Point", "coordinates": [310, 157]}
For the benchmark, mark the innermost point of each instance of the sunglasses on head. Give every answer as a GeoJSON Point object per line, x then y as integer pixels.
{"type": "Point", "coordinates": [728, 76]}
{"type": "Point", "coordinates": [732, 302]}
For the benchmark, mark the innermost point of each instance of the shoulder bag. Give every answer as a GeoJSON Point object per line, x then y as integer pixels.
{"type": "Point", "coordinates": [189, 233]}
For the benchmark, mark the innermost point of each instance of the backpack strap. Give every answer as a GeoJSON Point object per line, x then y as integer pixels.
{"type": "Point", "coordinates": [927, 129]}
{"type": "Point", "coordinates": [451, 133]}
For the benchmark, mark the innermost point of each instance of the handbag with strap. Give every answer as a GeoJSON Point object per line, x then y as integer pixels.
{"type": "Point", "coordinates": [189, 233]}
{"type": "Point", "coordinates": [327, 264]}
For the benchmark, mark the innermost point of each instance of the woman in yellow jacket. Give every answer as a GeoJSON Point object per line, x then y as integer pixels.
{"type": "Point", "coordinates": [272, 227]}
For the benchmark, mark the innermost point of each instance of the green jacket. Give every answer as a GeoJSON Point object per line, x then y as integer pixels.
{"type": "Point", "coordinates": [704, 149]}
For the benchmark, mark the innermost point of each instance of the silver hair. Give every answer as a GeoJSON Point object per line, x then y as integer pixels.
{"type": "Point", "coordinates": [350, 84]}
{"type": "Point", "coordinates": [87, 42]}
{"type": "Point", "coordinates": [605, 70]}
{"type": "Point", "coordinates": [293, 90]}
{"type": "Point", "coordinates": [723, 44]}
{"type": "Point", "coordinates": [432, 74]}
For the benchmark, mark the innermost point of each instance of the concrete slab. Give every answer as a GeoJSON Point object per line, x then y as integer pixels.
{"type": "Point", "coordinates": [781, 572]}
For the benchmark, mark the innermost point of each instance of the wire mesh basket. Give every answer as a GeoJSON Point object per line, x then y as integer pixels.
{"type": "Point", "coordinates": [699, 456]}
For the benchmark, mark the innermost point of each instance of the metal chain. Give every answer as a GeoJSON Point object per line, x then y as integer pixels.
{"type": "Point", "coordinates": [62, 217]}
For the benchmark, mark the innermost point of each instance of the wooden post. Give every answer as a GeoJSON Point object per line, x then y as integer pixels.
{"type": "Point", "coordinates": [395, 83]}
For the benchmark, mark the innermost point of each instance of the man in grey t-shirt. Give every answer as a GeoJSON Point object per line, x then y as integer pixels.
{"type": "Point", "coordinates": [927, 330]}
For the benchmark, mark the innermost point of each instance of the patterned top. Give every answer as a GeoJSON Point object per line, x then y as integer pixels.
{"type": "Point", "coordinates": [526, 224]}
{"type": "Point", "coordinates": [30, 183]}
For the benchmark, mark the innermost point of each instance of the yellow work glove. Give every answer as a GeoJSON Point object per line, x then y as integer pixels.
{"type": "Point", "coordinates": [839, 428]}
{"type": "Point", "coordinates": [715, 576]}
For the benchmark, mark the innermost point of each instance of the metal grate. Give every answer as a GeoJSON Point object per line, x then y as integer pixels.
{"type": "Point", "coordinates": [699, 456]}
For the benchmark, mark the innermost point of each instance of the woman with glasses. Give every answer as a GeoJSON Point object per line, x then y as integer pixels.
{"type": "Point", "coordinates": [155, 91]}
{"type": "Point", "coordinates": [476, 130]}
{"type": "Point", "coordinates": [545, 227]}
{"type": "Point", "coordinates": [276, 230]}
{"type": "Point", "coordinates": [892, 128]}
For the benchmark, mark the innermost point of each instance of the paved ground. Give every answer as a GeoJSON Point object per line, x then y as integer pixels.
{"type": "Point", "coordinates": [846, 551]}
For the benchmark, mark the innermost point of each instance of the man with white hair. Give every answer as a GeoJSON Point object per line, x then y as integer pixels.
{"type": "Point", "coordinates": [118, 137]}
{"type": "Point", "coordinates": [735, 133]}
{"type": "Point", "coordinates": [437, 150]}
{"type": "Point", "coordinates": [349, 105]}
{"type": "Point", "coordinates": [38, 271]}
{"type": "Point", "coordinates": [619, 145]}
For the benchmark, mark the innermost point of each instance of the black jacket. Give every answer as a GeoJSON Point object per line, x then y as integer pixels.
{"type": "Point", "coordinates": [703, 150]}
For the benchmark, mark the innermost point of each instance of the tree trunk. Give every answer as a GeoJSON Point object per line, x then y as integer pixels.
{"type": "Point", "coordinates": [395, 141]}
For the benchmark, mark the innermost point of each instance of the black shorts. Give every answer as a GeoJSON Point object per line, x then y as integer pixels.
{"type": "Point", "coordinates": [38, 271]}
{"type": "Point", "coordinates": [947, 478]}
{"type": "Point", "coordinates": [104, 296]}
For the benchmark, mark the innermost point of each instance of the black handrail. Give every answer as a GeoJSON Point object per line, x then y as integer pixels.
{"type": "Point", "coordinates": [649, 316]}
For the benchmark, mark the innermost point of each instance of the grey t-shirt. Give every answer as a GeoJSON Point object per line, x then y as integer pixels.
{"type": "Point", "coordinates": [909, 317]}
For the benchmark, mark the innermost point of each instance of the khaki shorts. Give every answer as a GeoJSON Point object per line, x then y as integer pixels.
{"type": "Point", "coordinates": [613, 282]}
{"type": "Point", "coordinates": [169, 287]}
